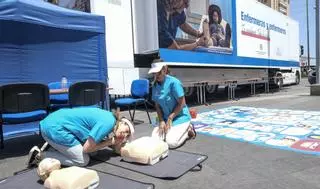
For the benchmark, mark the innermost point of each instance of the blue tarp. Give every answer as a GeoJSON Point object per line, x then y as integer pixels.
{"type": "Point", "coordinates": [41, 42]}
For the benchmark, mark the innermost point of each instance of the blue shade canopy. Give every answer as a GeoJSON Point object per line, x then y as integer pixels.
{"type": "Point", "coordinates": [41, 42]}
{"type": "Point", "coordinates": [46, 14]}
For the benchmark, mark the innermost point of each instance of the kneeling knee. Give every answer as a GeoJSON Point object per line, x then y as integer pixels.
{"type": "Point", "coordinates": [173, 143]}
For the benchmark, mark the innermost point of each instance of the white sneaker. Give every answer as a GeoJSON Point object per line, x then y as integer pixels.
{"type": "Point", "coordinates": [45, 146]}
{"type": "Point", "coordinates": [34, 156]}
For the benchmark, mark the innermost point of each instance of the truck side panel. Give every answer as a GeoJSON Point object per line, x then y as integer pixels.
{"type": "Point", "coordinates": [260, 37]}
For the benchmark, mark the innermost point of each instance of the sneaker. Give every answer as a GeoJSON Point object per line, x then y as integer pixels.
{"type": "Point", "coordinates": [34, 156]}
{"type": "Point", "coordinates": [192, 132]}
{"type": "Point", "coordinates": [45, 147]}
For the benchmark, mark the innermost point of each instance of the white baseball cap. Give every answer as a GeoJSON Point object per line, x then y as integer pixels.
{"type": "Point", "coordinates": [156, 67]}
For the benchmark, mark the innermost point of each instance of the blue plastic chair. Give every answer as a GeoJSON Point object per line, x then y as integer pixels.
{"type": "Point", "coordinates": [139, 93]}
{"type": "Point", "coordinates": [22, 105]}
{"type": "Point", "coordinates": [58, 100]}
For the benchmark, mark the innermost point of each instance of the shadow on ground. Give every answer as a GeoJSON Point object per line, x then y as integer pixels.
{"type": "Point", "coordinates": [19, 146]}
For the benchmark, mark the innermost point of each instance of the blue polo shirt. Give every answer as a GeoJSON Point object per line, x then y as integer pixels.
{"type": "Point", "coordinates": [167, 28]}
{"type": "Point", "coordinates": [167, 95]}
{"type": "Point", "coordinates": [70, 127]}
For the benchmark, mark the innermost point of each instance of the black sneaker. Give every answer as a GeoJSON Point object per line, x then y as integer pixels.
{"type": "Point", "coordinates": [34, 156]}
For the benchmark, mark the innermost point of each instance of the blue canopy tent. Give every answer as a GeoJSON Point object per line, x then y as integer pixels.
{"type": "Point", "coordinates": [41, 42]}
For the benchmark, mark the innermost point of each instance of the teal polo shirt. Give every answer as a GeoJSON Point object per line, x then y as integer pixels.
{"type": "Point", "coordinates": [70, 127]}
{"type": "Point", "coordinates": [166, 95]}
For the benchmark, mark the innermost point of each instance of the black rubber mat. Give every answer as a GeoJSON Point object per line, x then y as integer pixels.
{"type": "Point", "coordinates": [172, 167]}
{"type": "Point", "coordinates": [29, 179]}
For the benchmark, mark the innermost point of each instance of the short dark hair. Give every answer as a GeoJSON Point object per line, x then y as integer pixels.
{"type": "Point", "coordinates": [169, 4]}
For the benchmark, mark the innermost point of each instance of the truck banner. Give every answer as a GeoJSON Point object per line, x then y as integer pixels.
{"type": "Point", "coordinates": [201, 25]}
{"type": "Point", "coordinates": [265, 33]}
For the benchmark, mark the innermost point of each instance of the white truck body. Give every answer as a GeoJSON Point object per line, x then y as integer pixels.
{"type": "Point", "coordinates": [264, 44]}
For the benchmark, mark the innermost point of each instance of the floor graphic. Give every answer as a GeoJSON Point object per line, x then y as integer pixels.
{"type": "Point", "coordinates": [285, 129]}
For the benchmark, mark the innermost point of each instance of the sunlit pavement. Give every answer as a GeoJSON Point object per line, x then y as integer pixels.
{"type": "Point", "coordinates": [230, 164]}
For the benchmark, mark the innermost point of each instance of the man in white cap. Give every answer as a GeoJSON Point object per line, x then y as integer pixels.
{"type": "Point", "coordinates": [173, 114]}
{"type": "Point", "coordinates": [74, 133]}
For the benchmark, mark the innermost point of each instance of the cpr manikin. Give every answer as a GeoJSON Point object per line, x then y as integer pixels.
{"type": "Point", "coordinates": [145, 150]}
{"type": "Point", "coordinates": [73, 177]}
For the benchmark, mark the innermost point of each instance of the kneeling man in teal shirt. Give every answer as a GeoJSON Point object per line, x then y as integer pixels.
{"type": "Point", "coordinates": [74, 133]}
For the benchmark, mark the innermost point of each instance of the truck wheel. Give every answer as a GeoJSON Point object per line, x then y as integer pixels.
{"type": "Point", "coordinates": [312, 77]}
{"type": "Point", "coordinates": [279, 81]}
{"type": "Point", "coordinates": [211, 88]}
{"type": "Point", "coordinates": [188, 91]}
{"type": "Point", "coordinates": [297, 78]}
